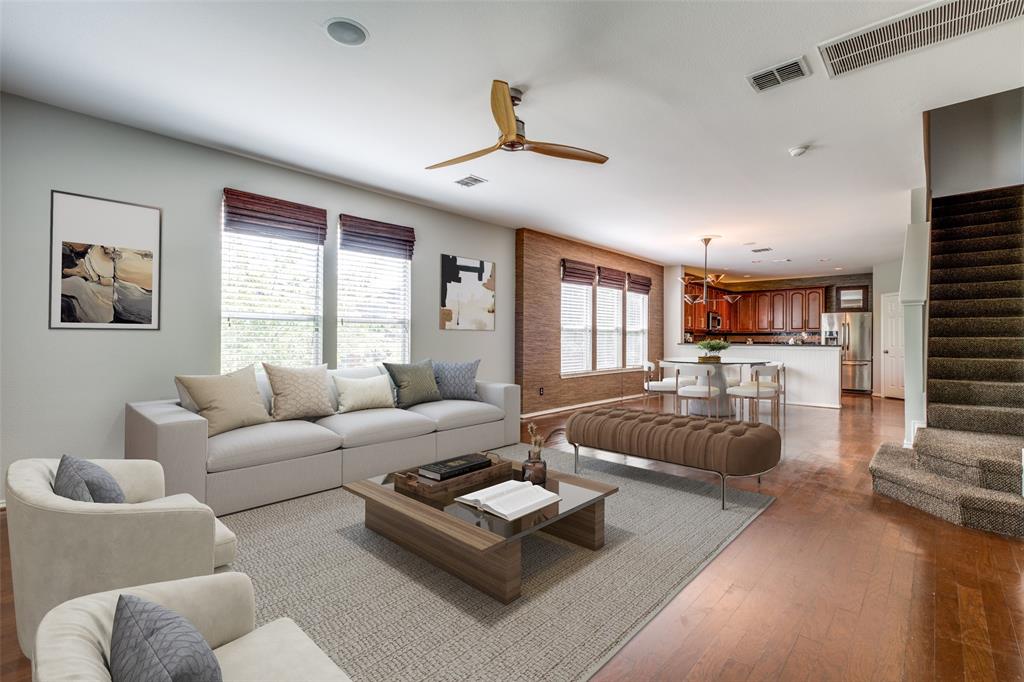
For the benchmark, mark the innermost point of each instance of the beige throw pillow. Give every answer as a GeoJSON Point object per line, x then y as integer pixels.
{"type": "Point", "coordinates": [364, 394]}
{"type": "Point", "coordinates": [299, 392]}
{"type": "Point", "coordinates": [228, 401]}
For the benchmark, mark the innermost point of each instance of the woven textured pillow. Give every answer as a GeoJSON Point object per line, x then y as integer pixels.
{"type": "Point", "coordinates": [457, 380]}
{"type": "Point", "coordinates": [81, 480]}
{"type": "Point", "coordinates": [364, 394]}
{"type": "Point", "coordinates": [299, 392]}
{"type": "Point", "coordinates": [228, 401]}
{"type": "Point", "coordinates": [415, 383]}
{"type": "Point", "coordinates": [152, 643]}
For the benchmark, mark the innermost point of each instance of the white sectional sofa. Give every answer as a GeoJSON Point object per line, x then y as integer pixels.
{"type": "Point", "coordinates": [257, 465]}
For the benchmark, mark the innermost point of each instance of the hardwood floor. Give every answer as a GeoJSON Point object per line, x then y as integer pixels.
{"type": "Point", "coordinates": [831, 582]}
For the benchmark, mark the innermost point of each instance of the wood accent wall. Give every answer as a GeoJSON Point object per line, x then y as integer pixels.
{"type": "Point", "coordinates": [538, 317]}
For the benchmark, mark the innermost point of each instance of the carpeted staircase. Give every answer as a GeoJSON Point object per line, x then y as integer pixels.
{"type": "Point", "coordinates": [965, 467]}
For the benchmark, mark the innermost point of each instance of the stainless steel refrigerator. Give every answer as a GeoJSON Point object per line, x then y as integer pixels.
{"type": "Point", "coordinates": [851, 331]}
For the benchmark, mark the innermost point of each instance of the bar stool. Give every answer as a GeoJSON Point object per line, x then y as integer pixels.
{"type": "Point", "coordinates": [763, 387]}
{"type": "Point", "coordinates": [708, 393]}
{"type": "Point", "coordinates": [663, 385]}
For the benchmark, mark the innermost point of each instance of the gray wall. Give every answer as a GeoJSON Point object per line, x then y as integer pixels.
{"type": "Point", "coordinates": [885, 279]}
{"type": "Point", "coordinates": [978, 144]}
{"type": "Point", "coordinates": [64, 390]}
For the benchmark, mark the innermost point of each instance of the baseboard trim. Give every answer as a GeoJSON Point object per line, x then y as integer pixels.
{"type": "Point", "coordinates": [555, 410]}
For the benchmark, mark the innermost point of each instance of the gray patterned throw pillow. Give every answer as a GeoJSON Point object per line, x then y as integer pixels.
{"type": "Point", "coordinates": [81, 480]}
{"type": "Point", "coordinates": [415, 383]}
{"type": "Point", "coordinates": [457, 380]}
{"type": "Point", "coordinates": [151, 643]}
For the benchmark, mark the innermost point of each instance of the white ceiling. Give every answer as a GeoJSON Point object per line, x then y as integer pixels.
{"type": "Point", "coordinates": [658, 87]}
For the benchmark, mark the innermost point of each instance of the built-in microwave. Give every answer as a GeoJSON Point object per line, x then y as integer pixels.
{"type": "Point", "coordinates": [714, 321]}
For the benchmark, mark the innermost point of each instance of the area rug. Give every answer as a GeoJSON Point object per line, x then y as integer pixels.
{"type": "Point", "coordinates": [384, 614]}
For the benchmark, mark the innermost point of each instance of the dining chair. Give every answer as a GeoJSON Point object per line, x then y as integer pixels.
{"type": "Point", "coordinates": [709, 393]}
{"type": "Point", "coordinates": [667, 383]}
{"type": "Point", "coordinates": [764, 385]}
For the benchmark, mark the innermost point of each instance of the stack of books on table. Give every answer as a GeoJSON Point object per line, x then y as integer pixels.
{"type": "Point", "coordinates": [455, 466]}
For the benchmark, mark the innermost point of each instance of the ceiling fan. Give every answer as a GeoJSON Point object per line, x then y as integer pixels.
{"type": "Point", "coordinates": [513, 133]}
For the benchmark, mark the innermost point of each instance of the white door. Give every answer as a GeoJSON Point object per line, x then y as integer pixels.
{"type": "Point", "coordinates": [892, 346]}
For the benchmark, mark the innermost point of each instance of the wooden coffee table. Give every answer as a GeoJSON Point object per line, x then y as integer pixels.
{"type": "Point", "coordinates": [480, 548]}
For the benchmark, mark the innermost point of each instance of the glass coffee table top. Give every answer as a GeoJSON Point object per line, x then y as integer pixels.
{"type": "Point", "coordinates": [576, 493]}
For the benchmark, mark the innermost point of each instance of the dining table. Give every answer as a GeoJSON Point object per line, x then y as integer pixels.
{"type": "Point", "coordinates": [718, 380]}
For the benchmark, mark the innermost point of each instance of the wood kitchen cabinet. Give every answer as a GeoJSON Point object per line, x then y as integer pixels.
{"type": "Point", "coordinates": [796, 310]}
{"type": "Point", "coordinates": [762, 311]}
{"type": "Point", "coordinates": [815, 307]}
{"type": "Point", "coordinates": [779, 303]}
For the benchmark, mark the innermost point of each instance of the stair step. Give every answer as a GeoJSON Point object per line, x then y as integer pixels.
{"type": "Point", "coordinates": [983, 230]}
{"type": "Point", "coordinates": [977, 259]}
{"type": "Point", "coordinates": [979, 206]}
{"type": "Point", "coordinates": [999, 347]}
{"type": "Point", "coordinates": [894, 474]}
{"type": "Point", "coordinates": [973, 392]}
{"type": "Point", "coordinates": [975, 326]}
{"type": "Point", "coordinates": [987, 273]}
{"type": "Point", "coordinates": [980, 195]}
{"type": "Point", "coordinates": [996, 216]}
{"type": "Point", "coordinates": [978, 369]}
{"type": "Point", "coordinates": [979, 307]}
{"type": "Point", "coordinates": [981, 418]}
{"type": "Point", "coordinates": [1011, 288]}
{"type": "Point", "coordinates": [972, 244]}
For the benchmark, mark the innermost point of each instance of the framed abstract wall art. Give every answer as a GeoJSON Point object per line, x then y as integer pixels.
{"type": "Point", "coordinates": [104, 263]}
{"type": "Point", "coordinates": [467, 294]}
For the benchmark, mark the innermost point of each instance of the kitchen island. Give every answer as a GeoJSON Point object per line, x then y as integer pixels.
{"type": "Point", "coordinates": [812, 372]}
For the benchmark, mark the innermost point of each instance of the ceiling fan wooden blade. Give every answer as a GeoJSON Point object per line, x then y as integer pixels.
{"type": "Point", "coordinates": [564, 152]}
{"type": "Point", "coordinates": [466, 157]}
{"type": "Point", "coordinates": [504, 113]}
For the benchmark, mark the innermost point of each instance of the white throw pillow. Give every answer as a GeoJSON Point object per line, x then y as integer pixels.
{"type": "Point", "coordinates": [363, 394]}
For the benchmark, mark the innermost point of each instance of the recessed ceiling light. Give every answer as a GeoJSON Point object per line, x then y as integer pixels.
{"type": "Point", "coordinates": [746, 275]}
{"type": "Point", "coordinates": [782, 260]}
{"type": "Point", "coordinates": [799, 150]}
{"type": "Point", "coordinates": [824, 260]}
{"type": "Point", "coordinates": [749, 243]}
{"type": "Point", "coordinates": [755, 261]}
{"type": "Point", "coordinates": [347, 32]}
{"type": "Point", "coordinates": [837, 268]}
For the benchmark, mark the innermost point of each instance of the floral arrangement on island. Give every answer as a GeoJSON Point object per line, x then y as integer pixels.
{"type": "Point", "coordinates": [712, 349]}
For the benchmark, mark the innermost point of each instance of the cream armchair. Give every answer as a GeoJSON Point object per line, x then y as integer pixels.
{"type": "Point", "coordinates": [61, 549]}
{"type": "Point", "coordinates": [74, 639]}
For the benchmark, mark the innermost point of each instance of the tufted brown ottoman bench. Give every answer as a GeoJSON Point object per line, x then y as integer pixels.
{"type": "Point", "coordinates": [728, 448]}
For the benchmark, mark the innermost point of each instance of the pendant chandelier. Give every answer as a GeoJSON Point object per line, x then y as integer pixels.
{"type": "Point", "coordinates": [708, 279]}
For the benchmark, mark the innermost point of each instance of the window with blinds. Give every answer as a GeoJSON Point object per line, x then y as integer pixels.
{"type": "Point", "coordinates": [374, 292]}
{"type": "Point", "coordinates": [609, 328]}
{"type": "Point", "coordinates": [577, 327]}
{"type": "Point", "coordinates": [271, 282]}
{"type": "Point", "coordinates": [373, 308]}
{"type": "Point", "coordinates": [636, 329]}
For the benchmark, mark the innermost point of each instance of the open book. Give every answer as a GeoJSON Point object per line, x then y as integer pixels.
{"type": "Point", "coordinates": [510, 499]}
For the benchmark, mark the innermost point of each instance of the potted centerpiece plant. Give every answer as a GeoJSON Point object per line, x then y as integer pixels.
{"type": "Point", "coordinates": [712, 349]}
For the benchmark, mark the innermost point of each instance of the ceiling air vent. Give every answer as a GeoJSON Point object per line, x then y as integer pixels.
{"type": "Point", "coordinates": [762, 249]}
{"type": "Point", "coordinates": [470, 181]}
{"type": "Point", "coordinates": [933, 23]}
{"type": "Point", "coordinates": [779, 74]}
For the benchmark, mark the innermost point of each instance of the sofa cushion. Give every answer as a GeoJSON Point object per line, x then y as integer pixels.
{"type": "Point", "coordinates": [454, 414]}
{"type": "Point", "coordinates": [228, 401]}
{"type": "Point", "coordinates": [457, 380]}
{"type": "Point", "coordinates": [279, 650]}
{"type": "Point", "coordinates": [414, 382]}
{"type": "Point", "coordinates": [377, 425]}
{"type": "Point", "coordinates": [266, 443]}
{"type": "Point", "coordinates": [151, 642]}
{"type": "Point", "coordinates": [364, 394]}
{"type": "Point", "coordinates": [300, 392]}
{"type": "Point", "coordinates": [367, 372]}
{"type": "Point", "coordinates": [81, 480]}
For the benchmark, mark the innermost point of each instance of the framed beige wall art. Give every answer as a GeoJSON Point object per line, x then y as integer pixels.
{"type": "Point", "coordinates": [467, 294]}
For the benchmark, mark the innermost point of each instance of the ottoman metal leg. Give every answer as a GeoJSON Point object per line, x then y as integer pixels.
{"type": "Point", "coordinates": [575, 458]}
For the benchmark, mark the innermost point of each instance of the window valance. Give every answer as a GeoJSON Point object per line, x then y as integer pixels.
{"type": "Point", "coordinates": [639, 284]}
{"type": "Point", "coordinates": [255, 214]}
{"type": "Point", "coordinates": [578, 272]}
{"type": "Point", "coordinates": [610, 277]}
{"type": "Point", "coordinates": [372, 236]}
